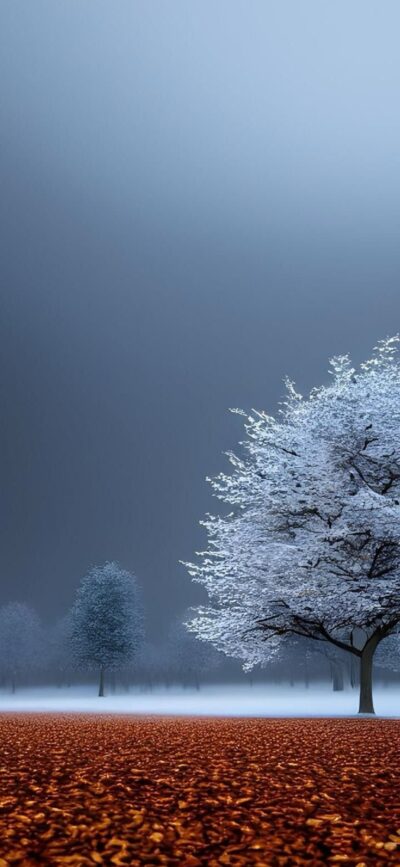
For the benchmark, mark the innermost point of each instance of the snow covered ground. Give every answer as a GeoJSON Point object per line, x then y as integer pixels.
{"type": "Point", "coordinates": [224, 700]}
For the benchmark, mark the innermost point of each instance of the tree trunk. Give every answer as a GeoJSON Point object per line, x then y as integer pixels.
{"type": "Point", "coordinates": [353, 672]}
{"type": "Point", "coordinates": [337, 677]}
{"type": "Point", "coordinates": [366, 662]}
{"type": "Point", "coordinates": [101, 683]}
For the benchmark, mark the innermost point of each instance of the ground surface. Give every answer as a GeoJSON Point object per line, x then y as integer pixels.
{"type": "Point", "coordinates": [262, 699]}
{"type": "Point", "coordinates": [131, 791]}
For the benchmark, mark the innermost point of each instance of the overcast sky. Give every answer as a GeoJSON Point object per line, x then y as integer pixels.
{"type": "Point", "coordinates": [197, 197]}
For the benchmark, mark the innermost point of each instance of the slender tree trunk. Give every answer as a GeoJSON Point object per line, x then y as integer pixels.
{"type": "Point", "coordinates": [337, 677]}
{"type": "Point", "coordinates": [353, 672]}
{"type": "Point", "coordinates": [306, 675]}
{"type": "Point", "coordinates": [354, 669]}
{"type": "Point", "coordinates": [101, 682]}
{"type": "Point", "coordinates": [366, 664]}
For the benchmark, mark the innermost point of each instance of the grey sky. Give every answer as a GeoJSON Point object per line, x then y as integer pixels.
{"type": "Point", "coordinates": [197, 197]}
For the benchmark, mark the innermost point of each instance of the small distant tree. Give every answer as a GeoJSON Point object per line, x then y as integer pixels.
{"type": "Point", "coordinates": [334, 659]}
{"type": "Point", "coordinates": [107, 620]}
{"type": "Point", "coordinates": [59, 648]}
{"type": "Point", "coordinates": [152, 664]}
{"type": "Point", "coordinates": [21, 642]}
{"type": "Point", "coordinates": [189, 659]}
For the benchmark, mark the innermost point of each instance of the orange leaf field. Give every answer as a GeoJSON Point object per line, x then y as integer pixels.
{"type": "Point", "coordinates": [85, 790]}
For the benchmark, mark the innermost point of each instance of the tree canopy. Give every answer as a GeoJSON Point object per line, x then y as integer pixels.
{"type": "Point", "coordinates": [107, 622]}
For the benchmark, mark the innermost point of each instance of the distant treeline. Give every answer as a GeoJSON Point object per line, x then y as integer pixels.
{"type": "Point", "coordinates": [103, 637]}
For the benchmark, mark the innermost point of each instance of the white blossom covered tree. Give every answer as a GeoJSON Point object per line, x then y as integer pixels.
{"type": "Point", "coordinates": [107, 621]}
{"type": "Point", "coordinates": [21, 641]}
{"type": "Point", "coordinates": [311, 544]}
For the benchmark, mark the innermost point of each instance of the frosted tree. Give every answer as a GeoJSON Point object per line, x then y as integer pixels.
{"type": "Point", "coordinates": [21, 642]}
{"type": "Point", "coordinates": [107, 620]}
{"type": "Point", "coordinates": [310, 545]}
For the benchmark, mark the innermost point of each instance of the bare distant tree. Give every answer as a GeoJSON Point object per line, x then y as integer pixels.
{"type": "Point", "coordinates": [21, 642]}
{"type": "Point", "coordinates": [59, 641]}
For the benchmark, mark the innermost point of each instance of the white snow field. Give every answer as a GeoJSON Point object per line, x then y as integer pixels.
{"type": "Point", "coordinates": [225, 700]}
